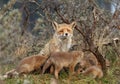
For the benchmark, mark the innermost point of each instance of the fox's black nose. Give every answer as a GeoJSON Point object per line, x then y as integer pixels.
{"type": "Point", "coordinates": [66, 34]}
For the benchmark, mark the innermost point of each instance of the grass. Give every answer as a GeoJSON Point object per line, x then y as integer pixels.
{"type": "Point", "coordinates": [112, 77]}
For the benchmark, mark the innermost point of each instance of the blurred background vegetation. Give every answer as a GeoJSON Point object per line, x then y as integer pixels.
{"type": "Point", "coordinates": [25, 27]}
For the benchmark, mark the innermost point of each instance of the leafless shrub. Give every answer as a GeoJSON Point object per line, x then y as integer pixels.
{"type": "Point", "coordinates": [95, 28]}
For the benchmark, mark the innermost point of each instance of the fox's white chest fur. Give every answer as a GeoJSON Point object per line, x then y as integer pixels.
{"type": "Point", "coordinates": [65, 45]}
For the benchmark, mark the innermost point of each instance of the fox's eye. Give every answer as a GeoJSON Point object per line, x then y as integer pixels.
{"type": "Point", "coordinates": [68, 30]}
{"type": "Point", "coordinates": [61, 31]}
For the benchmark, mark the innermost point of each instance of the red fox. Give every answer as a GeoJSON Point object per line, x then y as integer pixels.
{"type": "Point", "coordinates": [63, 59]}
{"type": "Point", "coordinates": [26, 65]}
{"type": "Point", "coordinates": [95, 71]}
{"type": "Point", "coordinates": [62, 39]}
{"type": "Point", "coordinates": [90, 60]}
{"type": "Point", "coordinates": [91, 65]}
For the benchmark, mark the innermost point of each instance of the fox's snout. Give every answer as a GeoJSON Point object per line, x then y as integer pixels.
{"type": "Point", "coordinates": [66, 34]}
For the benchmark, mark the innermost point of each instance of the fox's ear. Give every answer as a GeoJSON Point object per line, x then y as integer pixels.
{"type": "Point", "coordinates": [55, 25]}
{"type": "Point", "coordinates": [73, 24]}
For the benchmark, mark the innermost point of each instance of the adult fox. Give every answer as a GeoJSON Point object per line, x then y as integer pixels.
{"type": "Point", "coordinates": [61, 41]}
{"type": "Point", "coordinates": [62, 38]}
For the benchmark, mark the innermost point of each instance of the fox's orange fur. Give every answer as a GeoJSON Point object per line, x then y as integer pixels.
{"type": "Point", "coordinates": [62, 39]}
{"type": "Point", "coordinates": [26, 65]}
{"type": "Point", "coordinates": [91, 65]}
{"type": "Point", "coordinates": [95, 71]}
{"type": "Point", "coordinates": [63, 59]}
{"type": "Point", "coordinates": [90, 60]}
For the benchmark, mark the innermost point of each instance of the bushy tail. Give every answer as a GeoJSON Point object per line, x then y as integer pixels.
{"type": "Point", "coordinates": [46, 65]}
{"type": "Point", "coordinates": [9, 74]}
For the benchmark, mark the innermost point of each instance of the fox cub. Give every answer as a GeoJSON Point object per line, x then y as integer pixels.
{"type": "Point", "coordinates": [63, 59]}
{"type": "Point", "coordinates": [26, 65]}
{"type": "Point", "coordinates": [91, 66]}
{"type": "Point", "coordinates": [62, 39]}
{"type": "Point", "coordinates": [95, 71]}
